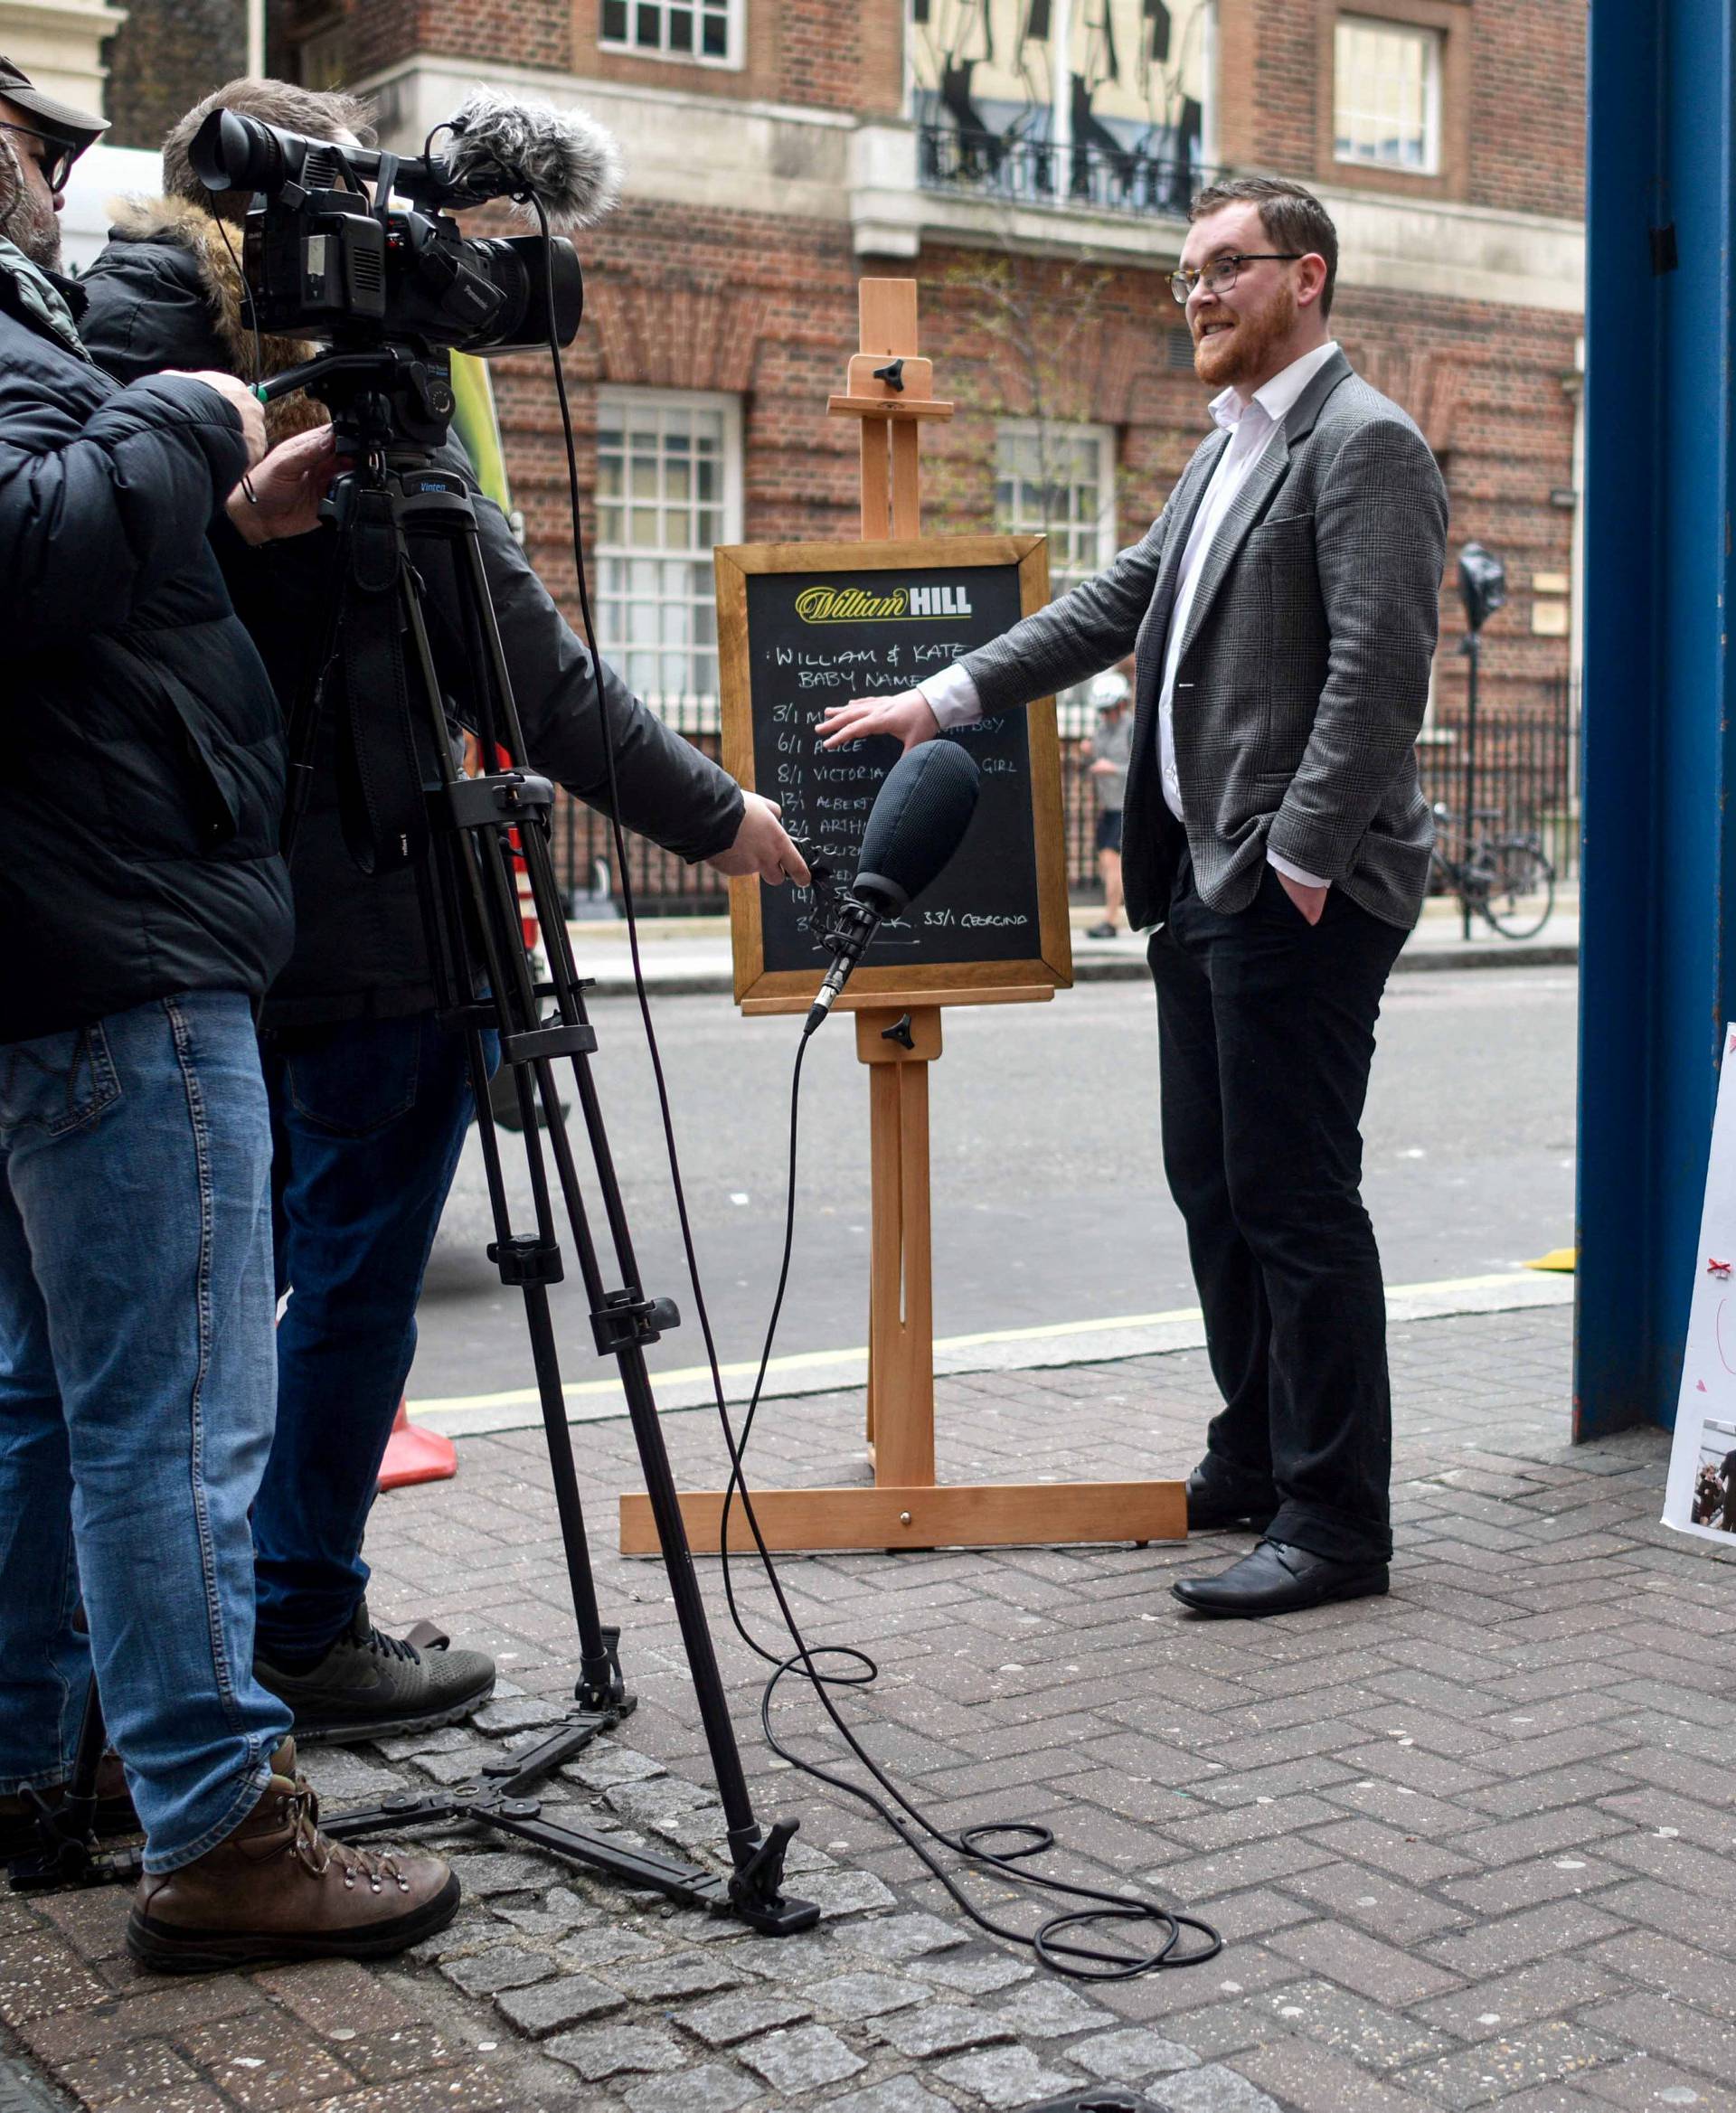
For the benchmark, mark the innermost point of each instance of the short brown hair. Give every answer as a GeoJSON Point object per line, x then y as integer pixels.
{"type": "Point", "coordinates": [323, 113]}
{"type": "Point", "coordinates": [1293, 219]}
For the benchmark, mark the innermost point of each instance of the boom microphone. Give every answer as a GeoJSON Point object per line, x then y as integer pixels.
{"type": "Point", "coordinates": [918, 821]}
{"type": "Point", "coordinates": [562, 158]}
{"type": "Point", "coordinates": [499, 149]}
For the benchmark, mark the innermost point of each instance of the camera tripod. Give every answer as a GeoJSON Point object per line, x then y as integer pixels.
{"type": "Point", "coordinates": [407, 801]}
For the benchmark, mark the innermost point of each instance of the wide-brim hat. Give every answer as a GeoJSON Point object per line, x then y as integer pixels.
{"type": "Point", "coordinates": [79, 128]}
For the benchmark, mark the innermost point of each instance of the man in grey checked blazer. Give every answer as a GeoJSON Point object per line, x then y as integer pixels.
{"type": "Point", "coordinates": [1283, 611]}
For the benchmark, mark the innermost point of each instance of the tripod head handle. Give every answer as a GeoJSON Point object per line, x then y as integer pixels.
{"type": "Point", "coordinates": [414, 389]}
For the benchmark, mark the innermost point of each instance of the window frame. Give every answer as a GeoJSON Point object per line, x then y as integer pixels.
{"type": "Point", "coordinates": [321, 49]}
{"type": "Point", "coordinates": [1073, 707]}
{"type": "Point", "coordinates": [1433, 42]}
{"type": "Point", "coordinates": [1451, 21]}
{"type": "Point", "coordinates": [694, 712]}
{"type": "Point", "coordinates": [1104, 437]}
{"type": "Point", "coordinates": [735, 36]}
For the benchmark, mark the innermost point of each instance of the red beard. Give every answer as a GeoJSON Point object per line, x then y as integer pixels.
{"type": "Point", "coordinates": [1237, 356]}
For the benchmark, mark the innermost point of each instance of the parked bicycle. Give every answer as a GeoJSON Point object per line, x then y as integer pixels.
{"type": "Point", "coordinates": [1505, 878]}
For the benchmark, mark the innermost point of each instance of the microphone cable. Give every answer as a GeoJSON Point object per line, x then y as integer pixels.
{"type": "Point", "coordinates": [1059, 1941]}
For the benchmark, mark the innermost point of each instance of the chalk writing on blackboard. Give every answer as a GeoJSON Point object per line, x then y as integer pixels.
{"type": "Point", "coordinates": [805, 625]}
{"type": "Point", "coordinates": [812, 644]}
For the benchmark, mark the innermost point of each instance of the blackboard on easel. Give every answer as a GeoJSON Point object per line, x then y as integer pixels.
{"type": "Point", "coordinates": [803, 626]}
{"type": "Point", "coordinates": [942, 594]}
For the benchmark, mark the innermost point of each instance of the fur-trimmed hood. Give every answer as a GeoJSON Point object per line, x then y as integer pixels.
{"type": "Point", "coordinates": [215, 248]}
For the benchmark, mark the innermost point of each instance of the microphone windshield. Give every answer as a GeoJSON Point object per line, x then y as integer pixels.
{"type": "Point", "coordinates": [564, 157]}
{"type": "Point", "coordinates": [918, 821]}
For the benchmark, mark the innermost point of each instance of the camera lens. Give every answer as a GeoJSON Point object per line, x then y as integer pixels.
{"type": "Point", "coordinates": [515, 266]}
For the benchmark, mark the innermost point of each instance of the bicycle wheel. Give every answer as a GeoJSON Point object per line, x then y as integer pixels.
{"type": "Point", "coordinates": [1520, 888]}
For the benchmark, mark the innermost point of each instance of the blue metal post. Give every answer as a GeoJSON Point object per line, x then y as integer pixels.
{"type": "Point", "coordinates": [1657, 971]}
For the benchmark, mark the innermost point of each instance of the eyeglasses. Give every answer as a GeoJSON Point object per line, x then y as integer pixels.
{"type": "Point", "coordinates": [1222, 273]}
{"type": "Point", "coordinates": [57, 165]}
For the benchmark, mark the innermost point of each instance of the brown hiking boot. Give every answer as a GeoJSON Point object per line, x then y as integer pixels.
{"type": "Point", "coordinates": [278, 1888]}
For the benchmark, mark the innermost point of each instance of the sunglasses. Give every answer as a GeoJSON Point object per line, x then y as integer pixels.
{"type": "Point", "coordinates": [56, 165]}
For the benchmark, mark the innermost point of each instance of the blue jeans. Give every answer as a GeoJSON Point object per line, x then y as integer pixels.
{"type": "Point", "coordinates": [137, 1377]}
{"type": "Point", "coordinates": [368, 1120]}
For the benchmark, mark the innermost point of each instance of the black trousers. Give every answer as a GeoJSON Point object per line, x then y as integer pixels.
{"type": "Point", "coordinates": [1266, 1030]}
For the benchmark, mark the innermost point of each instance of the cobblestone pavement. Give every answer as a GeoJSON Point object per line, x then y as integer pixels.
{"type": "Point", "coordinates": [1470, 1844]}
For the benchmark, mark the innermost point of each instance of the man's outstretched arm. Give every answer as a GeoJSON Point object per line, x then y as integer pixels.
{"type": "Point", "coordinates": [1087, 630]}
{"type": "Point", "coordinates": [668, 790]}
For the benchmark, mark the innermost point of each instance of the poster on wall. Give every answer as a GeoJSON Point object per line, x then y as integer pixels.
{"type": "Point", "coordinates": [1701, 1494]}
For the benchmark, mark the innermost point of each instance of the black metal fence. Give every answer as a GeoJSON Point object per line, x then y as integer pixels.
{"type": "Point", "coordinates": [1527, 764]}
{"type": "Point", "coordinates": [1527, 776]}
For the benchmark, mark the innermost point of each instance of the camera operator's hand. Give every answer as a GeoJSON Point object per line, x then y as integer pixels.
{"type": "Point", "coordinates": [243, 398]}
{"type": "Point", "coordinates": [282, 495]}
{"type": "Point", "coordinates": [761, 845]}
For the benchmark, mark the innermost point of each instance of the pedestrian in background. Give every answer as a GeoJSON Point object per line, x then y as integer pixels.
{"type": "Point", "coordinates": [1112, 747]}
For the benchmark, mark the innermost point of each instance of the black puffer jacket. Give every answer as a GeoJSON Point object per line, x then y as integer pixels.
{"type": "Point", "coordinates": [163, 294]}
{"type": "Point", "coordinates": [142, 780]}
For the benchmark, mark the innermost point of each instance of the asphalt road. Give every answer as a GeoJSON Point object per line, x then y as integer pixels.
{"type": "Point", "coordinates": [1048, 1191]}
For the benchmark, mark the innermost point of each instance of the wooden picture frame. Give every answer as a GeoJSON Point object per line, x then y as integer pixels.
{"type": "Point", "coordinates": [759, 990]}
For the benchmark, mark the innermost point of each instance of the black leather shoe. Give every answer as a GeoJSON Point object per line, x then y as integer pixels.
{"type": "Point", "coordinates": [1209, 1512]}
{"type": "Point", "coordinates": [1277, 1578]}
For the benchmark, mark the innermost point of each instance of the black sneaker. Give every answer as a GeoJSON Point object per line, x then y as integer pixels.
{"type": "Point", "coordinates": [370, 1685]}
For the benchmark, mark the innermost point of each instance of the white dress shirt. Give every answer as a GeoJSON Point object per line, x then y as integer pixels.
{"type": "Point", "coordinates": [952, 695]}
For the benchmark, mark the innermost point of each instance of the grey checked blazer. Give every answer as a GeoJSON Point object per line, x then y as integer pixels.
{"type": "Point", "coordinates": [1303, 675]}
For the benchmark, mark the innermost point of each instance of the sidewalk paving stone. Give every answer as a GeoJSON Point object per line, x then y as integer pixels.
{"type": "Point", "coordinates": [940, 2028]}
{"type": "Point", "coordinates": [554, 2007]}
{"type": "Point", "coordinates": [803, 2058]}
{"type": "Point", "coordinates": [1469, 1845]}
{"type": "Point", "coordinates": [1005, 2076]}
{"type": "Point", "coordinates": [736, 2017]}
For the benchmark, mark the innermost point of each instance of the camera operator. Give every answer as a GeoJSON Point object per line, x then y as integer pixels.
{"type": "Point", "coordinates": [370, 1096]}
{"type": "Point", "coordinates": [145, 908]}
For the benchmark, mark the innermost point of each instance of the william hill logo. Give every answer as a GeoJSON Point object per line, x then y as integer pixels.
{"type": "Point", "coordinates": [856, 605]}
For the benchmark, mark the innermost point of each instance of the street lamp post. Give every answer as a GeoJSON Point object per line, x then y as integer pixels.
{"type": "Point", "coordinates": [1482, 588]}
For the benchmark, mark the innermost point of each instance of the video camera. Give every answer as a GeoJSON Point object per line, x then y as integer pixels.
{"type": "Point", "coordinates": [323, 258]}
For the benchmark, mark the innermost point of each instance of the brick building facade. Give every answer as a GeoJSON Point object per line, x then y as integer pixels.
{"type": "Point", "coordinates": [777, 152]}
{"type": "Point", "coordinates": [159, 52]}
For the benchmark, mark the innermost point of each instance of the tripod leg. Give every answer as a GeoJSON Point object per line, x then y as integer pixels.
{"type": "Point", "coordinates": [66, 1834]}
{"type": "Point", "coordinates": [600, 1685]}
{"type": "Point", "coordinates": [480, 820]}
{"type": "Point", "coordinates": [624, 1323]}
{"type": "Point", "coordinates": [470, 896]}
{"type": "Point", "coordinates": [78, 1812]}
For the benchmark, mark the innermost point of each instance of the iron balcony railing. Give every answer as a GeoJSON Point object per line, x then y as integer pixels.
{"type": "Point", "coordinates": [1085, 176]}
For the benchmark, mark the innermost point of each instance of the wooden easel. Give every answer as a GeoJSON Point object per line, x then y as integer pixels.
{"type": "Point", "coordinates": [891, 389]}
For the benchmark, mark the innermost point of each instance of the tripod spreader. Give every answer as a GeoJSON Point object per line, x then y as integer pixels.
{"type": "Point", "coordinates": [503, 1799]}
{"type": "Point", "coordinates": [526, 1259]}
{"type": "Point", "coordinates": [624, 1323]}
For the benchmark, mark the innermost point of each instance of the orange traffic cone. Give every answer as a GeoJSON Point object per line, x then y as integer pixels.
{"type": "Point", "coordinates": [413, 1455]}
